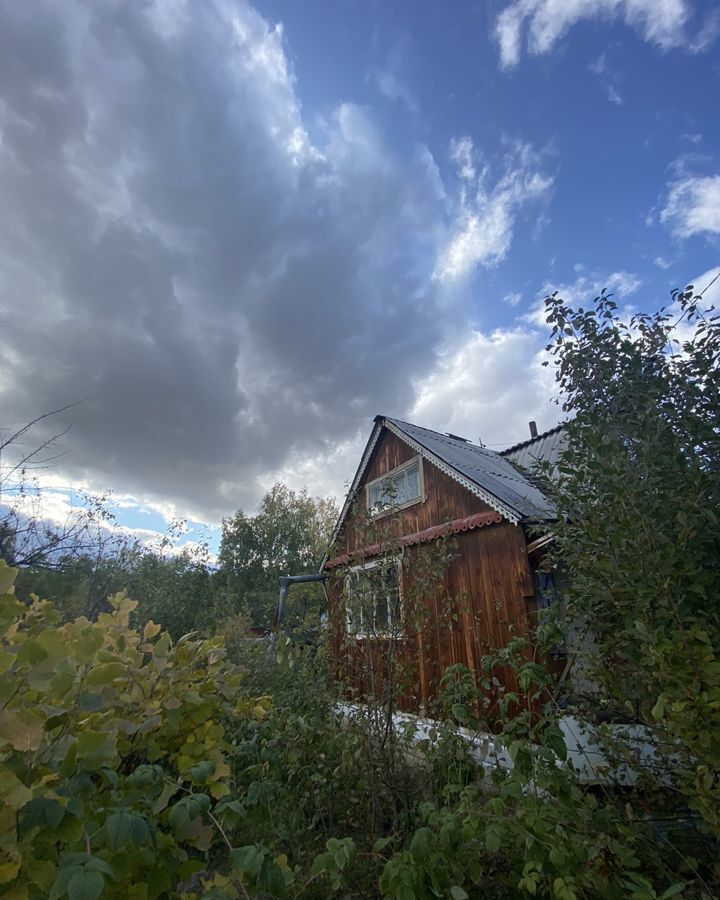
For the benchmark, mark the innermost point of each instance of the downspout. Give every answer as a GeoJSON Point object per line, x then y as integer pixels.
{"type": "Point", "coordinates": [286, 581]}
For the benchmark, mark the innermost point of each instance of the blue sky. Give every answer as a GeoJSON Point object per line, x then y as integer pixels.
{"type": "Point", "coordinates": [240, 231]}
{"type": "Point", "coordinates": [612, 114]}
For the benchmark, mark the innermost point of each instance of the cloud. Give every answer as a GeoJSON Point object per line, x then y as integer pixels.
{"type": "Point", "coordinates": [488, 387]}
{"type": "Point", "coordinates": [613, 96]}
{"type": "Point", "coordinates": [542, 23]}
{"type": "Point", "coordinates": [513, 298]}
{"type": "Point", "coordinates": [233, 294]}
{"type": "Point", "coordinates": [599, 66]}
{"type": "Point", "coordinates": [662, 263]}
{"type": "Point", "coordinates": [586, 286]}
{"type": "Point", "coordinates": [709, 282]}
{"type": "Point", "coordinates": [693, 206]}
{"type": "Point", "coordinates": [486, 209]}
{"type": "Point", "coordinates": [389, 78]}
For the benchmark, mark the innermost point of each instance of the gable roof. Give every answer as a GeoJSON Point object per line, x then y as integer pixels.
{"type": "Point", "coordinates": [485, 473]}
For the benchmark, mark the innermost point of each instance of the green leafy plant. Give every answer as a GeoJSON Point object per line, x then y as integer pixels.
{"type": "Point", "coordinates": [114, 775]}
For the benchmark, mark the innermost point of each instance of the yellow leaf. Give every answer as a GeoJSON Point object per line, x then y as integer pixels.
{"type": "Point", "coordinates": [22, 730]}
{"type": "Point", "coordinates": [10, 861]}
{"type": "Point", "coordinates": [150, 630]}
{"type": "Point", "coordinates": [222, 769]}
{"type": "Point", "coordinates": [7, 578]}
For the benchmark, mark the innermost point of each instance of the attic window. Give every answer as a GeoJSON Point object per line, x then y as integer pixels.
{"type": "Point", "coordinates": [401, 487]}
{"type": "Point", "coordinates": [372, 594]}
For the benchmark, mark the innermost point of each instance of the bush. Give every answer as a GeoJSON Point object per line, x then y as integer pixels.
{"type": "Point", "coordinates": [114, 773]}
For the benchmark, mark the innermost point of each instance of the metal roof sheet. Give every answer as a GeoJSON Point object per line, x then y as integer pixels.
{"type": "Point", "coordinates": [546, 447]}
{"type": "Point", "coordinates": [481, 466]}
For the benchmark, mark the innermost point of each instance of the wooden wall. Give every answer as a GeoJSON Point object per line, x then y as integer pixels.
{"type": "Point", "coordinates": [483, 598]}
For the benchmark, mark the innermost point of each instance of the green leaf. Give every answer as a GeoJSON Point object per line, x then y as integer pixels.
{"type": "Point", "coordinates": [60, 885]}
{"type": "Point", "coordinates": [139, 831]}
{"type": "Point", "coordinates": [658, 711]}
{"type": "Point", "coordinates": [381, 843]}
{"type": "Point", "coordinates": [421, 843]}
{"type": "Point", "coordinates": [202, 772]}
{"type": "Point", "coordinates": [85, 885]}
{"type": "Point", "coordinates": [673, 890]}
{"type": "Point", "coordinates": [457, 893]}
{"type": "Point", "coordinates": [555, 740]}
{"type": "Point", "coordinates": [31, 653]}
{"type": "Point", "coordinates": [460, 712]}
{"type": "Point", "coordinates": [248, 859]}
{"type": "Point", "coordinates": [492, 840]}
{"type": "Point", "coordinates": [118, 828]}
{"type": "Point", "coordinates": [104, 674]}
{"type": "Point", "coordinates": [90, 742]}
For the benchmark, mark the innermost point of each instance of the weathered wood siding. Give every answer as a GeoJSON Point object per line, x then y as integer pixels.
{"type": "Point", "coordinates": [484, 597]}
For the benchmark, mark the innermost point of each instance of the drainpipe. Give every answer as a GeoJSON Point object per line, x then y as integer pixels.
{"type": "Point", "coordinates": [286, 581]}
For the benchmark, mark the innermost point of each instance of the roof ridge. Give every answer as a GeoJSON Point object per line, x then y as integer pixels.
{"type": "Point", "coordinates": [531, 440]}
{"type": "Point", "coordinates": [443, 435]}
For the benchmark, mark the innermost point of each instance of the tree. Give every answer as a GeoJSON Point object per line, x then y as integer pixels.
{"type": "Point", "coordinates": [638, 537]}
{"type": "Point", "coordinates": [288, 535]}
{"type": "Point", "coordinates": [27, 537]}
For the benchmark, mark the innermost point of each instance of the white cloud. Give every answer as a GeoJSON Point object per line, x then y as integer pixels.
{"type": "Point", "coordinates": [389, 76]}
{"type": "Point", "coordinates": [662, 263]}
{"type": "Point", "coordinates": [599, 65]}
{"type": "Point", "coordinates": [542, 23]}
{"type": "Point", "coordinates": [486, 210]}
{"type": "Point", "coordinates": [710, 283]}
{"type": "Point", "coordinates": [488, 387]}
{"type": "Point", "coordinates": [613, 96]}
{"type": "Point", "coordinates": [585, 287]}
{"type": "Point", "coordinates": [693, 206]}
{"type": "Point", "coordinates": [513, 298]}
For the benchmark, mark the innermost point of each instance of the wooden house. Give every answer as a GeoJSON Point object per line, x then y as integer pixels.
{"type": "Point", "coordinates": [432, 561]}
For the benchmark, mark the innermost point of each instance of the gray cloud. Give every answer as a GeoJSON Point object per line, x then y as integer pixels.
{"type": "Point", "coordinates": [226, 291]}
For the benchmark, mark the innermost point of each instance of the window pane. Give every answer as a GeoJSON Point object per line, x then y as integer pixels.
{"type": "Point", "coordinates": [389, 492]}
{"type": "Point", "coordinates": [400, 489]}
{"type": "Point", "coordinates": [381, 614]}
{"type": "Point", "coordinates": [373, 599]}
{"type": "Point", "coordinates": [413, 482]}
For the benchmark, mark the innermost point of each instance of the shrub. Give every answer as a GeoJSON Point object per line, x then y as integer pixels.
{"type": "Point", "coordinates": [114, 774]}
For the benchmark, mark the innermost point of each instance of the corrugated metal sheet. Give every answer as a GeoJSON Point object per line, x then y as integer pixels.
{"type": "Point", "coordinates": [545, 447]}
{"type": "Point", "coordinates": [483, 467]}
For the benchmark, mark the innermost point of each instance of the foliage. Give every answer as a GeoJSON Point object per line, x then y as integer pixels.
{"type": "Point", "coordinates": [288, 535]}
{"type": "Point", "coordinates": [114, 773]}
{"type": "Point", "coordinates": [177, 590]}
{"type": "Point", "coordinates": [27, 536]}
{"type": "Point", "coordinates": [302, 774]}
{"type": "Point", "coordinates": [639, 540]}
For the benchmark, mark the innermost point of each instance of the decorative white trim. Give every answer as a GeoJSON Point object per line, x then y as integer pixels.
{"type": "Point", "coordinates": [352, 493]}
{"type": "Point", "coordinates": [469, 485]}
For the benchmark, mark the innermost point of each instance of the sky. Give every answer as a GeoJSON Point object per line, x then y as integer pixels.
{"type": "Point", "coordinates": [238, 232]}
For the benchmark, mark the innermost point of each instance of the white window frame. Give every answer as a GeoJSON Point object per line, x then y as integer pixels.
{"type": "Point", "coordinates": [383, 511]}
{"type": "Point", "coordinates": [393, 626]}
